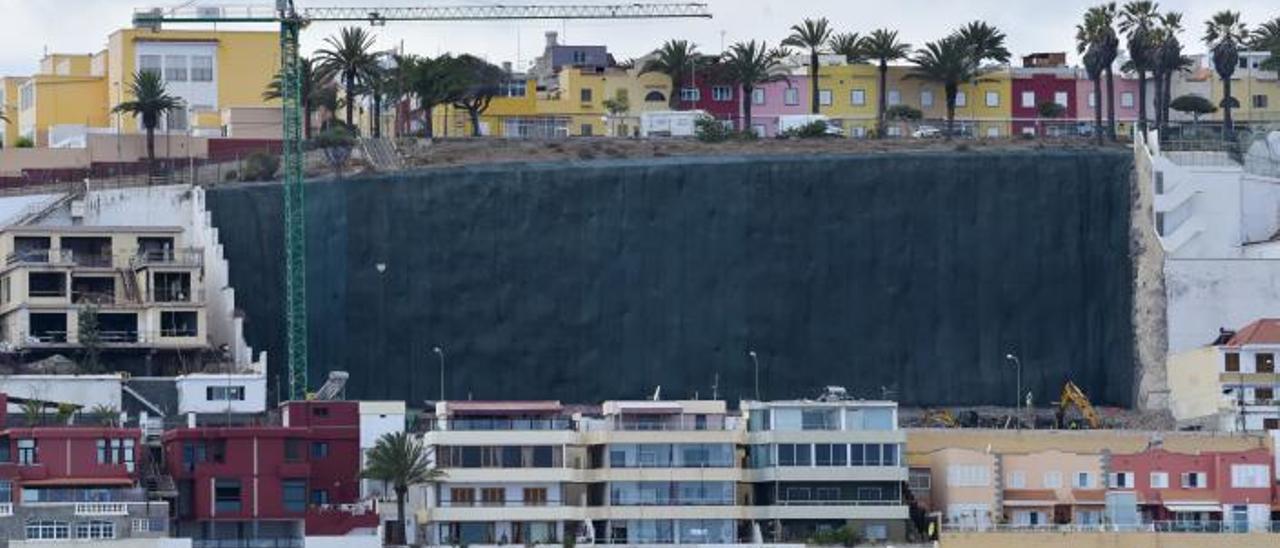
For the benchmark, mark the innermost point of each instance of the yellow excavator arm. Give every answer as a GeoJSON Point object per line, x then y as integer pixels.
{"type": "Point", "coordinates": [1072, 396]}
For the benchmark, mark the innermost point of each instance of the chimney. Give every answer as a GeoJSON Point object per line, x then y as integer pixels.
{"type": "Point", "coordinates": [506, 67]}
{"type": "Point", "coordinates": [553, 38]}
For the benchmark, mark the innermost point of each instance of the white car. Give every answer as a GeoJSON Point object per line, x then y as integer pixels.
{"type": "Point", "coordinates": [926, 132]}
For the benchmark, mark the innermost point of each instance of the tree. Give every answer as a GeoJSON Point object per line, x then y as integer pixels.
{"type": "Point", "coordinates": [985, 42]}
{"type": "Point", "coordinates": [1194, 105]}
{"type": "Point", "coordinates": [401, 460]}
{"type": "Point", "coordinates": [1138, 21]}
{"type": "Point", "coordinates": [434, 82]}
{"type": "Point", "coordinates": [335, 143]}
{"type": "Point", "coordinates": [1224, 33]}
{"type": "Point", "coordinates": [1050, 110]}
{"type": "Point", "coordinates": [151, 100]}
{"type": "Point", "coordinates": [949, 62]}
{"type": "Point", "coordinates": [748, 65]}
{"type": "Point", "coordinates": [313, 90]}
{"type": "Point", "coordinates": [349, 59]}
{"type": "Point", "coordinates": [882, 45]}
{"type": "Point", "coordinates": [1093, 67]}
{"type": "Point", "coordinates": [1167, 61]}
{"type": "Point", "coordinates": [1098, 32]}
{"type": "Point", "coordinates": [849, 46]}
{"type": "Point", "coordinates": [811, 34]}
{"type": "Point", "coordinates": [676, 59]}
{"type": "Point", "coordinates": [480, 83]}
{"type": "Point", "coordinates": [90, 337]}
{"type": "Point", "coordinates": [1267, 38]}
{"type": "Point", "coordinates": [616, 106]}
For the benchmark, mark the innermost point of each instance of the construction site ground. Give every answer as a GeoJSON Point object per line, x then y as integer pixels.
{"type": "Point", "coordinates": [1044, 418]}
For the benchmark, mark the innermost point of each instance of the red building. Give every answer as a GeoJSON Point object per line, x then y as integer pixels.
{"type": "Point", "coordinates": [1232, 490]}
{"type": "Point", "coordinates": [1033, 87]}
{"type": "Point", "coordinates": [62, 481]}
{"type": "Point", "coordinates": [711, 90]}
{"type": "Point", "coordinates": [298, 478]}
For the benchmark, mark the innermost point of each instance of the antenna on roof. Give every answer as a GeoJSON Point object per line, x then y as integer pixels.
{"type": "Point", "coordinates": [657, 393]}
{"type": "Point", "coordinates": [715, 387]}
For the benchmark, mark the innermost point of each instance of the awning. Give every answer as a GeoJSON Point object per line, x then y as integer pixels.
{"type": "Point", "coordinates": [503, 407]}
{"type": "Point", "coordinates": [1192, 507]}
{"type": "Point", "coordinates": [650, 408]}
{"type": "Point", "coordinates": [59, 482]}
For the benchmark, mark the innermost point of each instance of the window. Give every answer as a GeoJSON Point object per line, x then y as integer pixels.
{"type": "Point", "coordinates": [1233, 361]}
{"type": "Point", "coordinates": [1018, 480]}
{"type": "Point", "coordinates": [145, 525]}
{"type": "Point", "coordinates": [201, 68]}
{"type": "Point", "coordinates": [871, 454]}
{"type": "Point", "coordinates": [1194, 480]}
{"type": "Point", "coordinates": [535, 496]}
{"type": "Point", "coordinates": [1093, 100]}
{"type": "Point", "coordinates": [895, 97]}
{"type": "Point", "coordinates": [226, 495]}
{"type": "Point", "coordinates": [993, 99]}
{"type": "Point", "coordinates": [1126, 99]}
{"type": "Point", "coordinates": [1028, 99]}
{"type": "Point", "coordinates": [920, 479]}
{"type": "Point", "coordinates": [791, 96]}
{"type": "Point", "coordinates": [858, 97]}
{"type": "Point", "coordinates": [651, 97]}
{"type": "Point", "coordinates": [179, 324]}
{"type": "Point", "coordinates": [319, 449]}
{"type": "Point", "coordinates": [890, 455]}
{"type": "Point", "coordinates": [819, 419]}
{"type": "Point", "coordinates": [826, 493]}
{"type": "Point", "coordinates": [149, 63]}
{"type": "Point", "coordinates": [926, 98]}
{"type": "Point", "coordinates": [804, 454]}
{"type": "Point", "coordinates": [721, 93]}
{"type": "Point", "coordinates": [292, 449]}
{"type": "Point", "coordinates": [876, 532]}
{"type": "Point", "coordinates": [462, 496]}
{"type": "Point", "coordinates": [1061, 98]}
{"type": "Point", "coordinates": [1263, 395]}
{"type": "Point", "coordinates": [27, 452]}
{"type": "Point", "coordinates": [224, 393]}
{"type": "Point", "coordinates": [116, 451]}
{"type": "Point", "coordinates": [579, 57]}
{"type": "Point", "coordinates": [175, 68]}
{"type": "Point", "coordinates": [856, 454]}
{"type": "Point", "coordinates": [962, 100]}
{"type": "Point", "coordinates": [1159, 480]}
{"type": "Point", "coordinates": [824, 97]}
{"type": "Point", "coordinates": [97, 530]}
{"type": "Point", "coordinates": [1083, 480]}
{"type": "Point", "coordinates": [6, 491]}
{"type": "Point", "coordinates": [968, 475]}
{"type": "Point", "coordinates": [294, 495]}
{"type": "Point", "coordinates": [1264, 362]}
{"type": "Point", "coordinates": [1053, 480]}
{"type": "Point", "coordinates": [584, 95]}
{"type": "Point", "coordinates": [757, 96]}
{"type": "Point", "coordinates": [1122, 480]}
{"type": "Point", "coordinates": [176, 119]}
{"type": "Point", "coordinates": [493, 496]}
{"type": "Point", "coordinates": [48, 530]}
{"type": "Point", "coordinates": [1249, 476]}
{"type": "Point", "coordinates": [690, 94]}
{"type": "Point", "coordinates": [586, 130]}
{"type": "Point", "coordinates": [320, 497]}
{"type": "Point", "coordinates": [1259, 101]}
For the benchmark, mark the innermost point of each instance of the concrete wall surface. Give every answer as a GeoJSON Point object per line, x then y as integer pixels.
{"type": "Point", "coordinates": [1107, 540]}
{"type": "Point", "coordinates": [349, 541]}
{"type": "Point", "coordinates": [921, 441]}
{"type": "Point", "coordinates": [117, 543]}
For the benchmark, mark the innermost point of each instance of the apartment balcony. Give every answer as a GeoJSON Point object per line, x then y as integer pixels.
{"type": "Point", "coordinates": [832, 509]}
{"type": "Point", "coordinates": [505, 511]}
{"type": "Point", "coordinates": [341, 519]}
{"type": "Point", "coordinates": [102, 509]}
{"type": "Point", "coordinates": [6, 509]}
{"type": "Point", "coordinates": [41, 257]}
{"type": "Point", "coordinates": [191, 257]}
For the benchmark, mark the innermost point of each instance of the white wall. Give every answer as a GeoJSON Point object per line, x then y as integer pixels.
{"type": "Point", "coordinates": [118, 543]}
{"type": "Point", "coordinates": [84, 390]}
{"type": "Point", "coordinates": [192, 396]}
{"type": "Point", "coordinates": [1207, 294]}
{"type": "Point", "coordinates": [377, 418]}
{"type": "Point", "coordinates": [349, 541]}
{"type": "Point", "coordinates": [1260, 205]}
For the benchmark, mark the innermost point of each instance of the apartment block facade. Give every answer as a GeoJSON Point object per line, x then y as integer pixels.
{"type": "Point", "coordinates": [662, 472]}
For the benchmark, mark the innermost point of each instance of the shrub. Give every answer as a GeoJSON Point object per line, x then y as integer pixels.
{"type": "Point", "coordinates": [811, 130]}
{"type": "Point", "coordinates": [261, 166]}
{"type": "Point", "coordinates": [336, 142]}
{"type": "Point", "coordinates": [710, 130]}
{"type": "Point", "coordinates": [844, 536]}
{"type": "Point", "coordinates": [23, 142]}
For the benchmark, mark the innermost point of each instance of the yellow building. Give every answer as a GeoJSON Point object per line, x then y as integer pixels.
{"type": "Point", "coordinates": [507, 114]}
{"type": "Point", "coordinates": [850, 94]}
{"type": "Point", "coordinates": [577, 103]}
{"type": "Point", "coordinates": [69, 92]}
{"type": "Point", "coordinates": [9, 91]}
{"type": "Point", "coordinates": [1257, 90]}
{"type": "Point", "coordinates": [982, 109]}
{"type": "Point", "coordinates": [639, 93]}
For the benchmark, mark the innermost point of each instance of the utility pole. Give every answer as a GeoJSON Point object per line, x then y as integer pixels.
{"type": "Point", "coordinates": [756, 361]}
{"type": "Point", "coordinates": [440, 354]}
{"type": "Point", "coordinates": [1018, 399]}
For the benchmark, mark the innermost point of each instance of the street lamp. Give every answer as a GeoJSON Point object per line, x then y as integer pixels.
{"type": "Point", "coordinates": [756, 361]}
{"type": "Point", "coordinates": [440, 354]}
{"type": "Point", "coordinates": [1018, 399]}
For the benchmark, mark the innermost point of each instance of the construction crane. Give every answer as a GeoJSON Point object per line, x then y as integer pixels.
{"type": "Point", "coordinates": [292, 21]}
{"type": "Point", "coordinates": [1073, 396]}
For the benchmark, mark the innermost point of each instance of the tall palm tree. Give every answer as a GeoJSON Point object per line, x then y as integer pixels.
{"type": "Point", "coordinates": [1267, 38]}
{"type": "Point", "coordinates": [1166, 59]}
{"type": "Point", "coordinates": [151, 100]}
{"type": "Point", "coordinates": [1138, 22]}
{"type": "Point", "coordinates": [1098, 32]}
{"type": "Point", "coordinates": [749, 65]}
{"type": "Point", "coordinates": [1224, 33]}
{"type": "Point", "coordinates": [986, 43]}
{"type": "Point", "coordinates": [349, 58]}
{"type": "Point", "coordinates": [313, 90]}
{"type": "Point", "coordinates": [848, 45]}
{"type": "Point", "coordinates": [401, 460]}
{"type": "Point", "coordinates": [882, 46]}
{"type": "Point", "coordinates": [950, 62]}
{"type": "Point", "coordinates": [813, 35]}
{"type": "Point", "coordinates": [1093, 67]}
{"type": "Point", "coordinates": [676, 59]}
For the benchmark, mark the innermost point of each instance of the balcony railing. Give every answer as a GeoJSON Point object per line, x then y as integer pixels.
{"type": "Point", "coordinates": [190, 256]}
{"type": "Point", "coordinates": [499, 504]}
{"type": "Point", "coordinates": [248, 543]}
{"type": "Point", "coordinates": [1208, 527]}
{"type": "Point", "coordinates": [6, 508]}
{"type": "Point", "coordinates": [711, 501]}
{"type": "Point", "coordinates": [481, 425]}
{"type": "Point", "coordinates": [176, 296]}
{"type": "Point", "coordinates": [40, 257]}
{"type": "Point", "coordinates": [841, 502]}
{"type": "Point", "coordinates": [102, 509]}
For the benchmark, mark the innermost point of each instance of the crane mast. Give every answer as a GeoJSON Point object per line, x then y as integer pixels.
{"type": "Point", "coordinates": [291, 21]}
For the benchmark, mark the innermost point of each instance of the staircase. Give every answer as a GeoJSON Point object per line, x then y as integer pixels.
{"type": "Point", "coordinates": [158, 484]}
{"type": "Point", "coordinates": [333, 388]}
{"type": "Point", "coordinates": [131, 292]}
{"type": "Point", "coordinates": [381, 154]}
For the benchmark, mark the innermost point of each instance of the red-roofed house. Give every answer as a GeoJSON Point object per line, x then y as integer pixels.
{"type": "Point", "coordinates": [1206, 491]}
{"type": "Point", "coordinates": [1234, 378]}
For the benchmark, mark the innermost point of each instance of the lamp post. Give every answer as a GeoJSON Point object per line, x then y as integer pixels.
{"type": "Point", "coordinates": [756, 362]}
{"type": "Point", "coordinates": [1017, 400]}
{"type": "Point", "coordinates": [440, 354]}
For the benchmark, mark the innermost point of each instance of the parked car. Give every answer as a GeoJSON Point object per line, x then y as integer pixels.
{"type": "Point", "coordinates": [926, 132]}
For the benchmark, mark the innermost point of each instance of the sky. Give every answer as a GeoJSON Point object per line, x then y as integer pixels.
{"type": "Point", "coordinates": [31, 27]}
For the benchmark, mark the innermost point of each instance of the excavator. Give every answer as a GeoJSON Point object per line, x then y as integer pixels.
{"type": "Point", "coordinates": [940, 418]}
{"type": "Point", "coordinates": [1073, 396]}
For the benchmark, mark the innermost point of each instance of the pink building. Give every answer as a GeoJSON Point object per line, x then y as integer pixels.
{"type": "Point", "coordinates": [1202, 491]}
{"type": "Point", "coordinates": [776, 99]}
{"type": "Point", "coordinates": [1126, 101]}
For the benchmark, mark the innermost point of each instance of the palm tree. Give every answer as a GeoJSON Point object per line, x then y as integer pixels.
{"type": "Point", "coordinates": [813, 35]}
{"type": "Point", "coordinates": [1098, 32]}
{"type": "Point", "coordinates": [349, 59]}
{"type": "Point", "coordinates": [676, 59]}
{"type": "Point", "coordinates": [749, 65]}
{"type": "Point", "coordinates": [1138, 21]}
{"type": "Point", "coordinates": [950, 62]}
{"type": "Point", "coordinates": [1093, 67]}
{"type": "Point", "coordinates": [401, 460]}
{"type": "Point", "coordinates": [313, 84]}
{"type": "Point", "coordinates": [848, 45]}
{"type": "Point", "coordinates": [882, 45]}
{"type": "Point", "coordinates": [151, 100]}
{"type": "Point", "coordinates": [986, 43]}
{"type": "Point", "coordinates": [1166, 60]}
{"type": "Point", "coordinates": [1267, 38]}
{"type": "Point", "coordinates": [1224, 33]}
